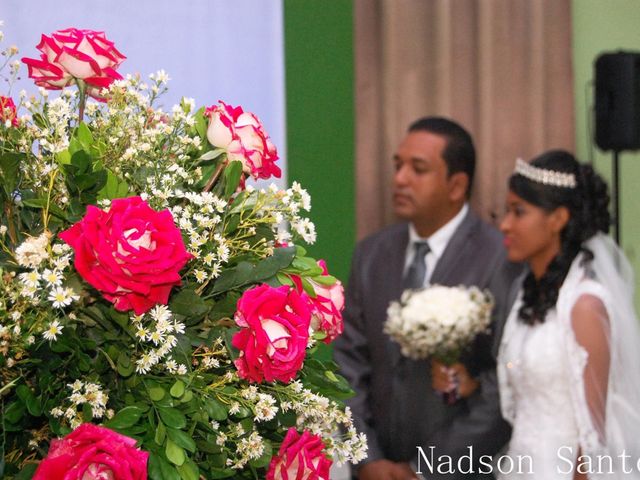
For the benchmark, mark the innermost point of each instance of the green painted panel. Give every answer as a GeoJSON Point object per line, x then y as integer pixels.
{"type": "Point", "coordinates": [320, 120]}
{"type": "Point", "coordinates": [604, 26]}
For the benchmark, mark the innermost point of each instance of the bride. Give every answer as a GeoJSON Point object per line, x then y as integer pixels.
{"type": "Point", "coordinates": [569, 358]}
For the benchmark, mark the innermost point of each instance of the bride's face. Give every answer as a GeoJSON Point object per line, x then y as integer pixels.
{"type": "Point", "coordinates": [532, 234]}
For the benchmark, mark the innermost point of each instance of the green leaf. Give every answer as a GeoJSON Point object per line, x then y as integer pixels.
{"type": "Point", "coordinates": [202, 122]}
{"type": "Point", "coordinates": [125, 418]}
{"type": "Point", "coordinates": [215, 409]}
{"type": "Point", "coordinates": [172, 417]}
{"type": "Point", "coordinates": [331, 376]}
{"type": "Point", "coordinates": [208, 446]}
{"type": "Point", "coordinates": [187, 397]}
{"type": "Point", "coordinates": [42, 204]}
{"type": "Point", "coordinates": [30, 400]}
{"type": "Point", "coordinates": [177, 390]}
{"type": "Point", "coordinates": [281, 258]}
{"type": "Point", "coordinates": [156, 393]}
{"type": "Point", "coordinates": [232, 175]}
{"type": "Point", "coordinates": [9, 169]}
{"type": "Point", "coordinates": [287, 419]}
{"type": "Point", "coordinates": [327, 280]}
{"type": "Point", "coordinates": [114, 188]}
{"type": "Point", "coordinates": [82, 161]}
{"type": "Point", "coordinates": [181, 439]}
{"type": "Point", "coordinates": [87, 412]}
{"type": "Point", "coordinates": [308, 288]}
{"type": "Point", "coordinates": [27, 472]}
{"type": "Point", "coordinates": [307, 265]}
{"type": "Point", "coordinates": [231, 224]}
{"type": "Point", "coordinates": [160, 469]}
{"type": "Point", "coordinates": [284, 279]}
{"type": "Point", "coordinates": [63, 157]}
{"type": "Point", "coordinates": [14, 412]}
{"type": "Point", "coordinates": [84, 135]}
{"type": "Point", "coordinates": [188, 303]}
{"type": "Point", "coordinates": [211, 154]}
{"type": "Point", "coordinates": [125, 366]}
{"type": "Point", "coordinates": [161, 433]}
{"type": "Point", "coordinates": [189, 471]}
{"type": "Point", "coordinates": [174, 453]}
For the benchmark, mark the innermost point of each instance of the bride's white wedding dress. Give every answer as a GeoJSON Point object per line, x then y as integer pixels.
{"type": "Point", "coordinates": [546, 391]}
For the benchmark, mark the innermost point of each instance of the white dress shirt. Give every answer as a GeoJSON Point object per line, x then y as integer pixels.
{"type": "Point", "coordinates": [437, 242]}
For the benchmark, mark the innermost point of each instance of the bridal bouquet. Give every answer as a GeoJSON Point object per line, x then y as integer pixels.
{"type": "Point", "coordinates": [159, 317]}
{"type": "Point", "coordinates": [438, 321]}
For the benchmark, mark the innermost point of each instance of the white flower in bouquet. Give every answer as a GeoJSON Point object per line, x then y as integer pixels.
{"type": "Point", "coordinates": [438, 321]}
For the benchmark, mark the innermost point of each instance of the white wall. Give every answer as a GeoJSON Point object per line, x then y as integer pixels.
{"type": "Point", "coordinates": [212, 49]}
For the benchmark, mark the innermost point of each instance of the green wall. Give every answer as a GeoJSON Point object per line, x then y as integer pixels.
{"type": "Point", "coordinates": [320, 120]}
{"type": "Point", "coordinates": [603, 26]}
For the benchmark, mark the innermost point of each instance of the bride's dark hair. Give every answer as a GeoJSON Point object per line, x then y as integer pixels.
{"type": "Point", "coordinates": [588, 214]}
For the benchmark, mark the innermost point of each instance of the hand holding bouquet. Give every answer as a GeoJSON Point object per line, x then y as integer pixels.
{"type": "Point", "coordinates": [438, 322]}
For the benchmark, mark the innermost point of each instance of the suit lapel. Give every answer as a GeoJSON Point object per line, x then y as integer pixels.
{"type": "Point", "coordinates": [393, 269]}
{"type": "Point", "coordinates": [446, 268]}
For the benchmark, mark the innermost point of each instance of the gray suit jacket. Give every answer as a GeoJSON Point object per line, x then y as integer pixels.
{"type": "Point", "coordinates": [394, 402]}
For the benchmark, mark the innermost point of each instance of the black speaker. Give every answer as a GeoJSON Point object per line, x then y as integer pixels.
{"type": "Point", "coordinates": [617, 102]}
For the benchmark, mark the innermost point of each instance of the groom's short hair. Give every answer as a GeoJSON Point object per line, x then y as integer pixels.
{"type": "Point", "coordinates": [459, 153]}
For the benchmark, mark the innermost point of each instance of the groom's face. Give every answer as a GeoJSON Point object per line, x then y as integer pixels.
{"type": "Point", "coordinates": [422, 186]}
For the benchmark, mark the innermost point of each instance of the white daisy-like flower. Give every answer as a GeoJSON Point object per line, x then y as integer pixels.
{"type": "Point", "coordinates": [160, 312]}
{"type": "Point", "coordinates": [171, 366]}
{"type": "Point", "coordinates": [53, 331]}
{"type": "Point", "coordinates": [182, 369]}
{"type": "Point", "coordinates": [62, 297]}
{"type": "Point", "coordinates": [30, 279]}
{"type": "Point", "coordinates": [200, 275]}
{"type": "Point", "coordinates": [76, 386]}
{"type": "Point", "coordinates": [221, 439]}
{"type": "Point", "coordinates": [211, 362]}
{"type": "Point", "coordinates": [178, 327]}
{"type": "Point", "coordinates": [156, 337]}
{"type": "Point", "coordinates": [142, 333]}
{"type": "Point", "coordinates": [235, 408]}
{"type": "Point", "coordinates": [57, 412]}
{"type": "Point", "coordinates": [52, 277]}
{"type": "Point", "coordinates": [77, 398]}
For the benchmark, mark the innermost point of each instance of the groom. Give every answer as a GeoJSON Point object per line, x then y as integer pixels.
{"type": "Point", "coordinates": [443, 242]}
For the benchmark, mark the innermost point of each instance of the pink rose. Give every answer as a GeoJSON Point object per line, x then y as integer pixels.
{"type": "Point", "coordinates": [242, 135]}
{"type": "Point", "coordinates": [300, 458]}
{"type": "Point", "coordinates": [274, 334]}
{"type": "Point", "coordinates": [91, 452]}
{"type": "Point", "coordinates": [71, 55]}
{"type": "Point", "coordinates": [8, 111]}
{"type": "Point", "coordinates": [132, 254]}
{"type": "Point", "coordinates": [326, 307]}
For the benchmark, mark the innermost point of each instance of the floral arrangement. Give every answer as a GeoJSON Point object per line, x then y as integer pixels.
{"type": "Point", "coordinates": [438, 321]}
{"type": "Point", "coordinates": [158, 315]}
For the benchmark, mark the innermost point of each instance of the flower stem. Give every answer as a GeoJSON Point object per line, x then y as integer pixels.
{"type": "Point", "coordinates": [82, 89]}
{"type": "Point", "coordinates": [214, 177]}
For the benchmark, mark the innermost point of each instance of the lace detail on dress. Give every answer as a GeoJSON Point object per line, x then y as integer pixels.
{"type": "Point", "coordinates": [542, 389]}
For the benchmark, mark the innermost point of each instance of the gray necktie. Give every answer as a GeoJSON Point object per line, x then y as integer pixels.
{"type": "Point", "coordinates": [417, 271]}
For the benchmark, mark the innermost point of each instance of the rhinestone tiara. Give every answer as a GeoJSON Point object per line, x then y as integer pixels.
{"type": "Point", "coordinates": [544, 176]}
